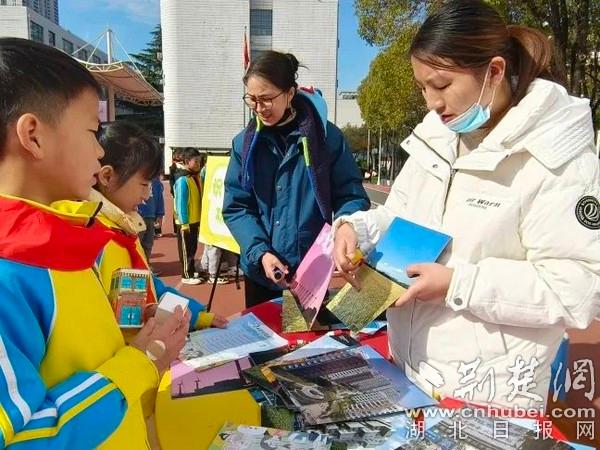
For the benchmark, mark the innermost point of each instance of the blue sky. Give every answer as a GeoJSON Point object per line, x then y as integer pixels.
{"type": "Point", "coordinates": [133, 20]}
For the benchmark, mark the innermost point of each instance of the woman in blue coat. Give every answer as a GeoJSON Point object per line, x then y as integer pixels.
{"type": "Point", "coordinates": [291, 171]}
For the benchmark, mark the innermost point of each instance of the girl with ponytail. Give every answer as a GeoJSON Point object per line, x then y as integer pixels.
{"type": "Point", "coordinates": [504, 163]}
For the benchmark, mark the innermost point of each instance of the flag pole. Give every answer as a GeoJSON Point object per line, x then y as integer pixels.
{"type": "Point", "coordinates": [245, 61]}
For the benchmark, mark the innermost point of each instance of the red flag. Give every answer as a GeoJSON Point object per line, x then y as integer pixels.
{"type": "Point", "coordinates": [246, 52]}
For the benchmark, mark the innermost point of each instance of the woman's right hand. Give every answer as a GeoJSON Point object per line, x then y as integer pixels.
{"type": "Point", "coordinates": [271, 264]}
{"type": "Point", "coordinates": [163, 343]}
{"type": "Point", "coordinates": [345, 243]}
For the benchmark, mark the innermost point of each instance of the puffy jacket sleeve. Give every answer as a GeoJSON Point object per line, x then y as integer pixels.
{"type": "Point", "coordinates": [558, 282]}
{"type": "Point", "coordinates": [347, 191]}
{"type": "Point", "coordinates": [197, 309]}
{"type": "Point", "coordinates": [240, 212]}
{"type": "Point", "coordinates": [81, 411]}
{"type": "Point", "coordinates": [371, 224]}
{"type": "Point", "coordinates": [182, 197]}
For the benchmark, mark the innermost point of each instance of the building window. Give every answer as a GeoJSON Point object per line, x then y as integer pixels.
{"type": "Point", "coordinates": [261, 22]}
{"type": "Point", "coordinates": [68, 47]}
{"type": "Point", "coordinates": [254, 54]}
{"type": "Point", "coordinates": [96, 59]}
{"type": "Point", "coordinates": [83, 54]}
{"type": "Point", "coordinates": [37, 32]}
{"type": "Point", "coordinates": [51, 38]}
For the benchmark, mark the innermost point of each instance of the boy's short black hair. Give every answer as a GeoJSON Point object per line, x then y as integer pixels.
{"type": "Point", "coordinates": [37, 79]}
{"type": "Point", "coordinates": [129, 149]}
{"type": "Point", "coordinates": [189, 153]}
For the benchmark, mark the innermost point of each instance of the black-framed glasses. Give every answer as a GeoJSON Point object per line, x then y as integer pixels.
{"type": "Point", "coordinates": [266, 103]}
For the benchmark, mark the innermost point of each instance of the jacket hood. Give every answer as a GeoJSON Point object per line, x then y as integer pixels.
{"type": "Point", "coordinates": [315, 97]}
{"type": "Point", "coordinates": [551, 125]}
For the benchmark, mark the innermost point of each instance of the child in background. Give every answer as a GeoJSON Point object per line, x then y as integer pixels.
{"type": "Point", "coordinates": [130, 162]}
{"type": "Point", "coordinates": [188, 199]}
{"type": "Point", "coordinates": [152, 211]}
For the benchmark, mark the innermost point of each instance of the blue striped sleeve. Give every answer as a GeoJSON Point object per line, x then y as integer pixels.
{"type": "Point", "coordinates": [194, 306]}
{"type": "Point", "coordinates": [80, 412]}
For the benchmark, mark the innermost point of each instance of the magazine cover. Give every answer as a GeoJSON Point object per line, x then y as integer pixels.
{"type": "Point", "coordinates": [335, 387]}
{"type": "Point", "coordinates": [355, 308]}
{"type": "Point", "coordinates": [311, 280]}
{"type": "Point", "coordinates": [405, 243]}
{"type": "Point", "coordinates": [383, 278]}
{"type": "Point", "coordinates": [245, 437]}
{"type": "Point", "coordinates": [381, 433]}
{"type": "Point", "coordinates": [188, 381]}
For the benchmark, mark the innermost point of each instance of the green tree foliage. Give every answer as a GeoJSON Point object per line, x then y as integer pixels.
{"type": "Point", "coordinates": [149, 60]}
{"type": "Point", "coordinates": [356, 137]}
{"type": "Point", "coordinates": [573, 26]}
{"type": "Point", "coordinates": [388, 96]}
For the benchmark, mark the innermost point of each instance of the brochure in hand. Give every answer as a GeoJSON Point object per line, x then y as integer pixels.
{"type": "Point", "coordinates": [383, 278]}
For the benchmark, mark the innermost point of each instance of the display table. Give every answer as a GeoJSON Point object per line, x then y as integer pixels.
{"type": "Point", "coordinates": [192, 423]}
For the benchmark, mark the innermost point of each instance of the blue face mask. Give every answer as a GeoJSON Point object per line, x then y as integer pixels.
{"type": "Point", "coordinates": [475, 116]}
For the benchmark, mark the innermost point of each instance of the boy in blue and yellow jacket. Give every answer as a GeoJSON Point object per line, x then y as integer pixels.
{"type": "Point", "coordinates": [67, 379]}
{"type": "Point", "coordinates": [188, 204]}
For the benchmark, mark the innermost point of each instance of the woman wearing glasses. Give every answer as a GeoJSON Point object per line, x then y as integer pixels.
{"type": "Point", "coordinates": [290, 173]}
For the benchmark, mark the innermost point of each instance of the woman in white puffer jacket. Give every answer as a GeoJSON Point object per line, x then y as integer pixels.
{"type": "Point", "coordinates": [504, 163]}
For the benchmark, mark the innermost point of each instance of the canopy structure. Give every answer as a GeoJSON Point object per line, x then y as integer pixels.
{"type": "Point", "coordinates": [121, 78]}
{"type": "Point", "coordinates": [127, 82]}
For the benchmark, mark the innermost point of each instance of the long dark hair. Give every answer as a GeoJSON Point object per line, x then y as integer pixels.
{"type": "Point", "coordinates": [469, 33]}
{"type": "Point", "coordinates": [280, 69]}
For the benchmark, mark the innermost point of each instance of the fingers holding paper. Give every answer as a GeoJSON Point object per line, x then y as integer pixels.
{"type": "Point", "coordinates": [431, 284]}
{"type": "Point", "coordinates": [346, 255]}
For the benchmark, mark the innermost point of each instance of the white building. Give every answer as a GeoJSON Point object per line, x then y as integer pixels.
{"type": "Point", "coordinates": [203, 60]}
{"type": "Point", "coordinates": [24, 19]}
{"type": "Point", "coordinates": [348, 111]}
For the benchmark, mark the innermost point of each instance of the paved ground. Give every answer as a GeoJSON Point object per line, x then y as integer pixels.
{"type": "Point", "coordinates": [229, 299]}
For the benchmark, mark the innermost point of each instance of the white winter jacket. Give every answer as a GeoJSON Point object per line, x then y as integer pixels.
{"type": "Point", "coordinates": [522, 209]}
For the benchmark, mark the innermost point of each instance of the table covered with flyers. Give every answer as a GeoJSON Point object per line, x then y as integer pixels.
{"type": "Point", "coordinates": [333, 392]}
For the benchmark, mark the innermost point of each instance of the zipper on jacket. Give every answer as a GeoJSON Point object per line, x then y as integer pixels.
{"type": "Point", "coordinates": [450, 180]}
{"type": "Point", "coordinates": [452, 170]}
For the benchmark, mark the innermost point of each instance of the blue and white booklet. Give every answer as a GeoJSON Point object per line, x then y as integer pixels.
{"type": "Point", "coordinates": [383, 278]}
{"type": "Point", "coordinates": [405, 243]}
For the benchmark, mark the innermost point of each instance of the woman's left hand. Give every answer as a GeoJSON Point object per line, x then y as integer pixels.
{"type": "Point", "coordinates": [431, 285]}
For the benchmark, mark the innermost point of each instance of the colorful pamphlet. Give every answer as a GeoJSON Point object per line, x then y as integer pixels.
{"type": "Point", "coordinates": [383, 278]}
{"type": "Point", "coordinates": [244, 335]}
{"type": "Point", "coordinates": [405, 243]}
{"type": "Point", "coordinates": [244, 437]}
{"type": "Point", "coordinates": [309, 285]}
{"type": "Point", "coordinates": [187, 381]}
{"type": "Point", "coordinates": [344, 385]}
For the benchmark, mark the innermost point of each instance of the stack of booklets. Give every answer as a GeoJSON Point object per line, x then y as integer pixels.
{"type": "Point", "coordinates": [383, 277]}
{"type": "Point", "coordinates": [339, 385]}
{"type": "Point", "coordinates": [244, 437]}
